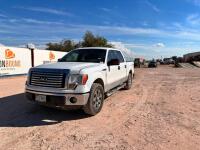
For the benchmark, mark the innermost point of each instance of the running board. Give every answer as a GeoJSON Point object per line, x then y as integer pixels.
{"type": "Point", "coordinates": [111, 92]}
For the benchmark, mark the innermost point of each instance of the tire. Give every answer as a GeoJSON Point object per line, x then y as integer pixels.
{"type": "Point", "coordinates": [129, 82]}
{"type": "Point", "coordinates": [95, 101]}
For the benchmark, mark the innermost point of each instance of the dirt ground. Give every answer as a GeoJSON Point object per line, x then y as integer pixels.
{"type": "Point", "coordinates": [161, 111]}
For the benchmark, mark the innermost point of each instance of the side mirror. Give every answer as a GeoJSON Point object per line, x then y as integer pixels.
{"type": "Point", "coordinates": [113, 62]}
{"type": "Point", "coordinates": [59, 60]}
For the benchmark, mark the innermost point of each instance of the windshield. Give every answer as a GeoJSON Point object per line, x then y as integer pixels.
{"type": "Point", "coordinates": [85, 55]}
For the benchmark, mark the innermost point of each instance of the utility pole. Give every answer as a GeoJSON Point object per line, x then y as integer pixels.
{"type": "Point", "coordinates": [31, 47]}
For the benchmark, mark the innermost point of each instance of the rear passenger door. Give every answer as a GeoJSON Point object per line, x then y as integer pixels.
{"type": "Point", "coordinates": [122, 67]}
{"type": "Point", "coordinates": [112, 71]}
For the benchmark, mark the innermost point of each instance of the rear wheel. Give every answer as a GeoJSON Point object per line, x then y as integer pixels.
{"type": "Point", "coordinates": [95, 101]}
{"type": "Point", "coordinates": [129, 82]}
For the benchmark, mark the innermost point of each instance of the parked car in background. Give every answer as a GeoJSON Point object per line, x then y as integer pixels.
{"type": "Point", "coordinates": [146, 63]}
{"type": "Point", "coordinates": [168, 61]}
{"type": "Point", "coordinates": [139, 62]}
{"type": "Point", "coordinates": [81, 78]}
{"type": "Point", "coordinates": [152, 64]}
{"type": "Point", "coordinates": [159, 61]}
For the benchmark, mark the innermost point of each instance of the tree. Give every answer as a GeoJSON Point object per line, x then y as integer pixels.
{"type": "Point", "coordinates": [65, 45]}
{"type": "Point", "coordinates": [89, 40]}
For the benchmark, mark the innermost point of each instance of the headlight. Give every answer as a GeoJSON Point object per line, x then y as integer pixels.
{"type": "Point", "coordinates": [74, 80]}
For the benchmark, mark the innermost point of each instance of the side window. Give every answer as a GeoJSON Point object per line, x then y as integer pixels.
{"type": "Point", "coordinates": [113, 54]}
{"type": "Point", "coordinates": [110, 55]}
{"type": "Point", "coordinates": [119, 56]}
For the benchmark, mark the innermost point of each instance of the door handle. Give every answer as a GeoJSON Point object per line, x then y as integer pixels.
{"type": "Point", "coordinates": [118, 67]}
{"type": "Point", "coordinates": [125, 66]}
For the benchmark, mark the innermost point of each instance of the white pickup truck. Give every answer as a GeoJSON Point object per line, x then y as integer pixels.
{"type": "Point", "coordinates": [82, 78]}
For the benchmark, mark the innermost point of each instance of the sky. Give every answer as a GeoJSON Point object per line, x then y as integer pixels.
{"type": "Point", "coordinates": [149, 28]}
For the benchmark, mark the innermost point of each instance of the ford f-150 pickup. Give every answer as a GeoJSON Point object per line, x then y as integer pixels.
{"type": "Point", "coordinates": [82, 78]}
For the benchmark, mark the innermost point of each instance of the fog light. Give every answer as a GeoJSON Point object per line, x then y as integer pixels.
{"type": "Point", "coordinates": [73, 100]}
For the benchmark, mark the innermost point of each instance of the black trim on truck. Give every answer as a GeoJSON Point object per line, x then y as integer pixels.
{"type": "Point", "coordinates": [57, 93]}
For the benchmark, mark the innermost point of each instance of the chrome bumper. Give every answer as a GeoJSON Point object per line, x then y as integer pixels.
{"type": "Point", "coordinates": [81, 99]}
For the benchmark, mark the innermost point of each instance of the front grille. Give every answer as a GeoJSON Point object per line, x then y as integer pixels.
{"type": "Point", "coordinates": [48, 78]}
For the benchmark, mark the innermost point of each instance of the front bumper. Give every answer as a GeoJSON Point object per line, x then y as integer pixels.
{"type": "Point", "coordinates": [59, 99]}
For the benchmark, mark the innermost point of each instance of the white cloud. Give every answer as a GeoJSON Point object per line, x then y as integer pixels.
{"type": "Point", "coordinates": [177, 25]}
{"type": "Point", "coordinates": [1, 45]}
{"type": "Point", "coordinates": [137, 46]}
{"type": "Point", "coordinates": [46, 10]}
{"type": "Point", "coordinates": [3, 16]}
{"type": "Point", "coordinates": [195, 2]}
{"type": "Point", "coordinates": [122, 47]}
{"type": "Point", "coordinates": [185, 33]}
{"type": "Point", "coordinates": [149, 51]}
{"type": "Point", "coordinates": [36, 30]}
{"type": "Point", "coordinates": [154, 7]}
{"type": "Point", "coordinates": [119, 30]}
{"type": "Point", "coordinates": [35, 21]}
{"type": "Point", "coordinates": [105, 9]}
{"type": "Point", "coordinates": [144, 50]}
{"type": "Point", "coordinates": [175, 32]}
{"type": "Point", "coordinates": [29, 23]}
{"type": "Point", "coordinates": [145, 23]}
{"type": "Point", "coordinates": [193, 19]}
{"type": "Point", "coordinates": [159, 45]}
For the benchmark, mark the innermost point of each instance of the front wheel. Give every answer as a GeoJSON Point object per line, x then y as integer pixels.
{"type": "Point", "coordinates": [129, 82]}
{"type": "Point", "coordinates": [95, 101]}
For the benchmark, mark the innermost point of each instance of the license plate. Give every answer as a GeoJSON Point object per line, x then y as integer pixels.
{"type": "Point", "coordinates": [40, 98]}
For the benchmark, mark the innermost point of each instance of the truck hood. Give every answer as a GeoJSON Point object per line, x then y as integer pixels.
{"type": "Point", "coordinates": [74, 67]}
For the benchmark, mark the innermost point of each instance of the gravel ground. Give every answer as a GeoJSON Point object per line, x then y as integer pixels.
{"type": "Point", "coordinates": [161, 111]}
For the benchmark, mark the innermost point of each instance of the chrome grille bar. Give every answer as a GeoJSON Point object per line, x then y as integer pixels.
{"type": "Point", "coordinates": [48, 78]}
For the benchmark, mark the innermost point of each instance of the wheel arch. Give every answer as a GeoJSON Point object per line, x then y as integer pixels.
{"type": "Point", "coordinates": [100, 81]}
{"type": "Point", "coordinates": [130, 71]}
